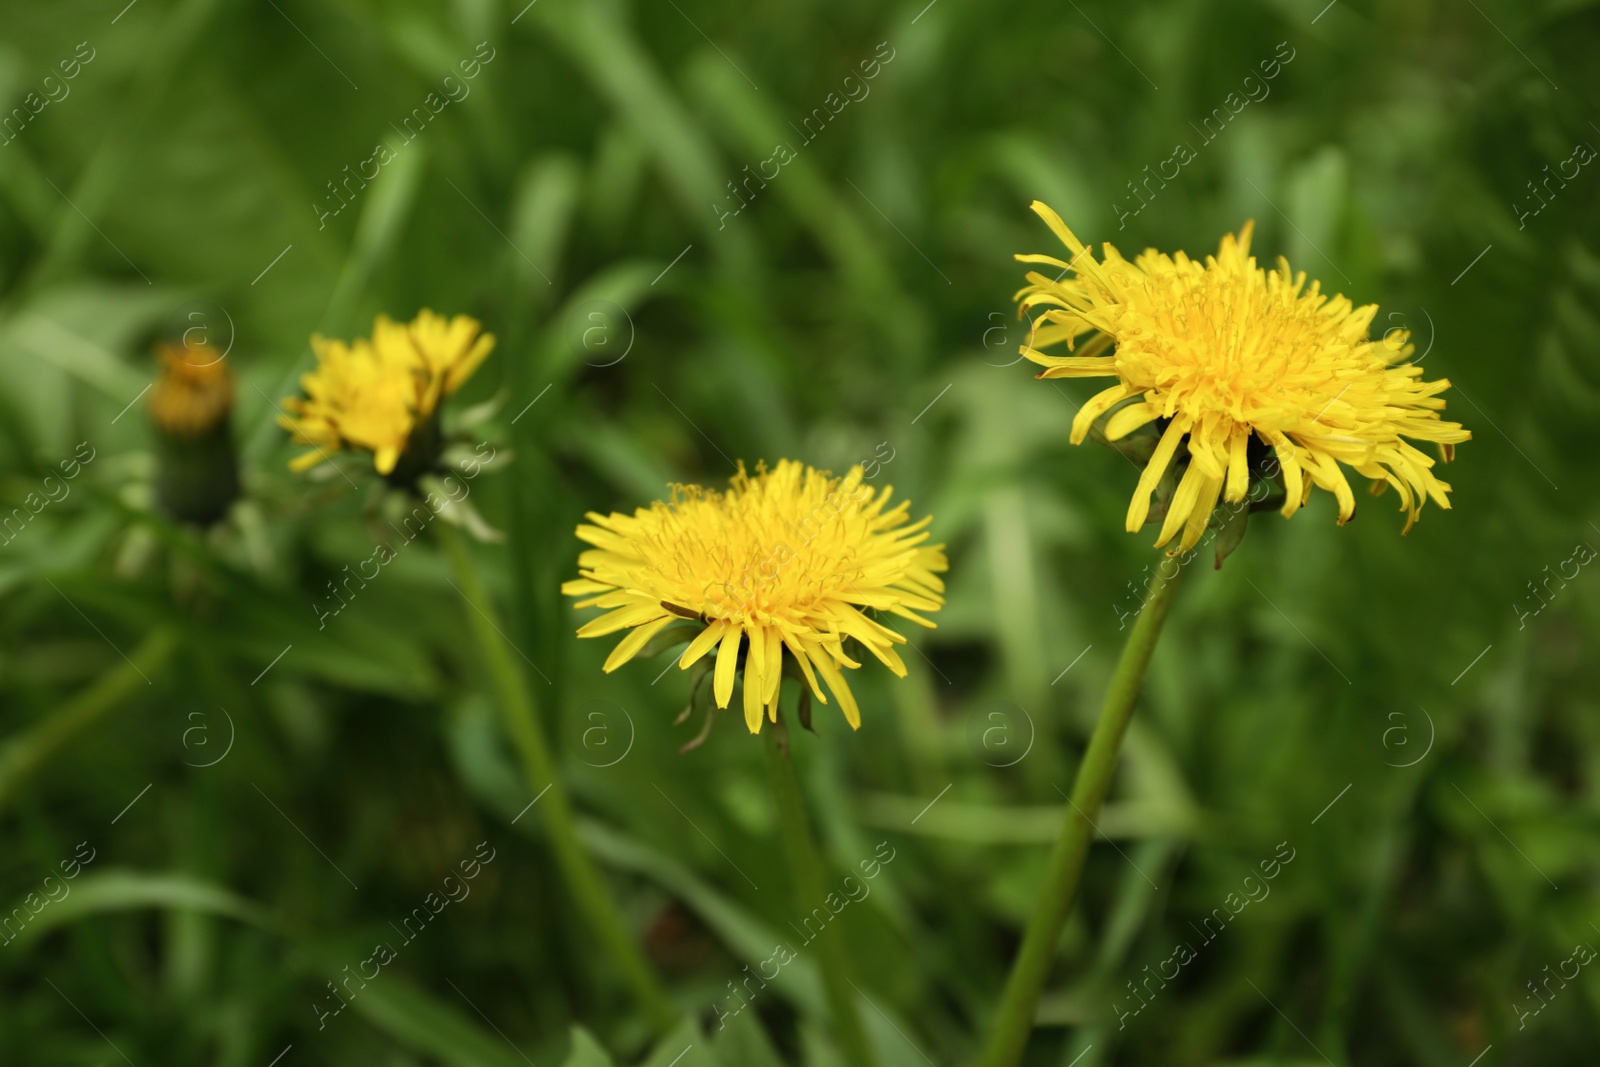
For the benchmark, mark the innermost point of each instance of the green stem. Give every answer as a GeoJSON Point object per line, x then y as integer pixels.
{"type": "Point", "coordinates": [805, 871]}
{"type": "Point", "coordinates": [1014, 1019]}
{"type": "Point", "coordinates": [24, 754]}
{"type": "Point", "coordinates": [588, 890]}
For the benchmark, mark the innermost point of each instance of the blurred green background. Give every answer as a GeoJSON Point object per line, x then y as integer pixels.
{"type": "Point", "coordinates": [574, 195]}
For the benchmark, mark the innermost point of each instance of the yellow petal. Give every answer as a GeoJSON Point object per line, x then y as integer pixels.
{"type": "Point", "coordinates": [702, 643]}
{"type": "Point", "coordinates": [1200, 516]}
{"type": "Point", "coordinates": [613, 621]}
{"type": "Point", "coordinates": [1140, 507]}
{"type": "Point", "coordinates": [727, 664]}
{"type": "Point", "coordinates": [1130, 419]}
{"type": "Point", "coordinates": [629, 646]}
{"type": "Point", "coordinates": [755, 664]}
{"type": "Point", "coordinates": [1096, 406]}
{"type": "Point", "coordinates": [1327, 474]}
{"type": "Point", "coordinates": [836, 682]}
{"type": "Point", "coordinates": [774, 665]}
{"type": "Point", "coordinates": [1290, 465]}
{"type": "Point", "coordinates": [752, 691]}
{"type": "Point", "coordinates": [1238, 471]}
{"type": "Point", "coordinates": [1073, 366]}
{"type": "Point", "coordinates": [804, 660]}
{"type": "Point", "coordinates": [1183, 502]}
{"type": "Point", "coordinates": [583, 587]}
{"type": "Point", "coordinates": [1059, 228]}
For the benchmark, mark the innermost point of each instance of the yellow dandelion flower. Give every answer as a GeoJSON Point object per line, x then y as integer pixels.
{"type": "Point", "coordinates": [194, 392]}
{"type": "Point", "coordinates": [791, 558]}
{"type": "Point", "coordinates": [1237, 360]}
{"type": "Point", "coordinates": [379, 394]}
{"type": "Point", "coordinates": [191, 408]}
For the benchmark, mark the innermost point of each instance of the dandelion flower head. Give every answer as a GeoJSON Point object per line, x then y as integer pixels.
{"type": "Point", "coordinates": [1233, 361]}
{"type": "Point", "coordinates": [375, 394]}
{"type": "Point", "coordinates": [194, 392]}
{"type": "Point", "coordinates": [786, 560]}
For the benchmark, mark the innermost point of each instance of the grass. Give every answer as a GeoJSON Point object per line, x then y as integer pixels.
{"type": "Point", "coordinates": [1413, 719]}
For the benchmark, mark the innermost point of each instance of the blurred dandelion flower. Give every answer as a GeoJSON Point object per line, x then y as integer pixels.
{"type": "Point", "coordinates": [191, 408]}
{"type": "Point", "coordinates": [1237, 360]}
{"type": "Point", "coordinates": [790, 558]}
{"type": "Point", "coordinates": [382, 395]}
{"type": "Point", "coordinates": [193, 393]}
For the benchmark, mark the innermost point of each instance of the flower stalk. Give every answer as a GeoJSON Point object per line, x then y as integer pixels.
{"type": "Point", "coordinates": [25, 752]}
{"type": "Point", "coordinates": [1014, 1020]}
{"type": "Point", "coordinates": [516, 702]}
{"type": "Point", "coordinates": [805, 873]}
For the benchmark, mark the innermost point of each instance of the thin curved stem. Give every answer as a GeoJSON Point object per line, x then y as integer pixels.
{"type": "Point", "coordinates": [1014, 1020]}
{"type": "Point", "coordinates": [587, 888]}
{"type": "Point", "coordinates": [805, 871]}
{"type": "Point", "coordinates": [26, 752]}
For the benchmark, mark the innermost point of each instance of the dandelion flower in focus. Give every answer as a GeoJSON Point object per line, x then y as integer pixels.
{"type": "Point", "coordinates": [382, 395]}
{"type": "Point", "coordinates": [790, 559]}
{"type": "Point", "coordinates": [1238, 364]}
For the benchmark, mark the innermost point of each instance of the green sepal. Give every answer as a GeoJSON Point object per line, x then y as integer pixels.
{"type": "Point", "coordinates": [697, 679]}
{"type": "Point", "coordinates": [456, 512]}
{"type": "Point", "coordinates": [1161, 502]}
{"type": "Point", "coordinates": [791, 669]}
{"type": "Point", "coordinates": [671, 636]}
{"type": "Point", "coordinates": [1272, 501]}
{"type": "Point", "coordinates": [1230, 523]}
{"type": "Point", "coordinates": [1138, 447]}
